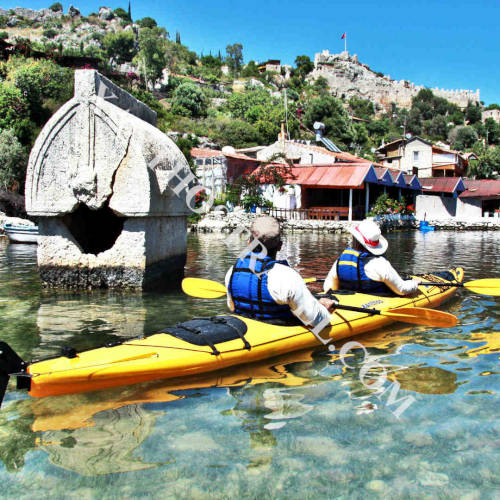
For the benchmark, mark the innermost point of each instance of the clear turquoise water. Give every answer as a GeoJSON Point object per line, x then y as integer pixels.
{"type": "Point", "coordinates": [297, 427]}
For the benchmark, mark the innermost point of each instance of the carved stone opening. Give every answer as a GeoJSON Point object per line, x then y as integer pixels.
{"type": "Point", "coordinates": [95, 230]}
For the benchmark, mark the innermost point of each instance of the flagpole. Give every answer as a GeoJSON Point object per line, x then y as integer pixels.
{"type": "Point", "coordinates": [345, 43]}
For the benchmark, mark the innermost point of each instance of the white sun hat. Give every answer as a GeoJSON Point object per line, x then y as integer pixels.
{"type": "Point", "coordinates": [368, 234]}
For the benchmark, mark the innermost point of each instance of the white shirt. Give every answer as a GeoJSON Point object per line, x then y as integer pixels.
{"type": "Point", "coordinates": [286, 286]}
{"type": "Point", "coordinates": [377, 269]}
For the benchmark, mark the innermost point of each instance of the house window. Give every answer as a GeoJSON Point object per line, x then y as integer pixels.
{"type": "Point", "coordinates": [415, 155]}
{"type": "Point", "coordinates": [415, 170]}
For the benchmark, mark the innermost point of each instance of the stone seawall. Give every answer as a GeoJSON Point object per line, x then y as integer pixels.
{"type": "Point", "coordinates": [219, 222]}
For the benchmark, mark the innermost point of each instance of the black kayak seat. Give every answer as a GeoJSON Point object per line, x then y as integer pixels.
{"type": "Point", "coordinates": [210, 331]}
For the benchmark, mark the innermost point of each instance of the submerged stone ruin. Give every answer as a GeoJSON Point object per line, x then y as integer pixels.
{"type": "Point", "coordinates": [98, 181]}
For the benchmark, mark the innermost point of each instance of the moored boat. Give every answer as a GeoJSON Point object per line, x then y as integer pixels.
{"type": "Point", "coordinates": [21, 233]}
{"type": "Point", "coordinates": [207, 345]}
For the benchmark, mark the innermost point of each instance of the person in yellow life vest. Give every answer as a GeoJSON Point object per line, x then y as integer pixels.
{"type": "Point", "coordinates": [362, 268]}
{"type": "Point", "coordinates": [266, 289]}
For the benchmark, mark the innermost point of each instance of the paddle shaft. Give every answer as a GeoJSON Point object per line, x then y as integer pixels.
{"type": "Point", "coordinates": [426, 283]}
{"type": "Point", "coordinates": [350, 308]}
{"type": "Point", "coordinates": [434, 283]}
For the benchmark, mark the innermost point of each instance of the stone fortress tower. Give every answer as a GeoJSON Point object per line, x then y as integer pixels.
{"type": "Point", "coordinates": [348, 77]}
{"type": "Point", "coordinates": [98, 182]}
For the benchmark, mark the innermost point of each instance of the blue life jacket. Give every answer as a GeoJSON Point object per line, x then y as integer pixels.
{"type": "Point", "coordinates": [352, 276]}
{"type": "Point", "coordinates": [249, 292]}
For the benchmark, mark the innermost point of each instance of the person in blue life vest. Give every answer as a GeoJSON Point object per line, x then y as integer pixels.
{"type": "Point", "coordinates": [266, 289]}
{"type": "Point", "coordinates": [362, 267]}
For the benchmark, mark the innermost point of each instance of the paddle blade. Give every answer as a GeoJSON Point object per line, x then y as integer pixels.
{"type": "Point", "coordinates": [489, 286]}
{"type": "Point", "coordinates": [203, 289]}
{"type": "Point", "coordinates": [421, 316]}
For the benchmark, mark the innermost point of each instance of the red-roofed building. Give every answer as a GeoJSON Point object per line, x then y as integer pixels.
{"type": "Point", "coordinates": [420, 157]}
{"type": "Point", "coordinates": [486, 193]}
{"type": "Point", "coordinates": [448, 162]}
{"type": "Point", "coordinates": [346, 189]}
{"type": "Point", "coordinates": [216, 169]}
{"type": "Point", "coordinates": [448, 197]}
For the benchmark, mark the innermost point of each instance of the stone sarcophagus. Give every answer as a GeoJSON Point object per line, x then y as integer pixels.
{"type": "Point", "coordinates": [99, 181]}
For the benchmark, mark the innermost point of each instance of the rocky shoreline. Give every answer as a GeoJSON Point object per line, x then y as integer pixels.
{"type": "Point", "coordinates": [220, 222]}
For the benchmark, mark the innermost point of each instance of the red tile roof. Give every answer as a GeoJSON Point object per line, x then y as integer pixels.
{"type": "Point", "coordinates": [444, 150]}
{"type": "Point", "coordinates": [205, 153]}
{"type": "Point", "coordinates": [484, 188]}
{"type": "Point", "coordinates": [332, 176]}
{"type": "Point", "coordinates": [241, 156]}
{"type": "Point", "coordinates": [442, 184]}
{"type": "Point", "coordinates": [213, 153]}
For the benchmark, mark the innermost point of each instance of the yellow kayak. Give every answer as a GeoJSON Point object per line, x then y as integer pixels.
{"type": "Point", "coordinates": [206, 345]}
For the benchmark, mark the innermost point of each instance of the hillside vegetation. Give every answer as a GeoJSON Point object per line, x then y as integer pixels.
{"type": "Point", "coordinates": [200, 98]}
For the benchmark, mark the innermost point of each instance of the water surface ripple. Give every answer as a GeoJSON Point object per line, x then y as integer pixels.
{"type": "Point", "coordinates": [298, 426]}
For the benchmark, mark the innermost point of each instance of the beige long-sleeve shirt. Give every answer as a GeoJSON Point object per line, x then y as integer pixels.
{"type": "Point", "coordinates": [286, 286]}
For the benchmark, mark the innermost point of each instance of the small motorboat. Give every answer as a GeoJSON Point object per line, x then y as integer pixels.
{"type": "Point", "coordinates": [21, 233]}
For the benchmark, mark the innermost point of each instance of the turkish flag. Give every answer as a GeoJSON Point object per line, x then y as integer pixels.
{"type": "Point", "coordinates": [342, 37]}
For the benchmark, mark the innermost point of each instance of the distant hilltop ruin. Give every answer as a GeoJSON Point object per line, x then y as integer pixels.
{"type": "Point", "coordinates": [347, 77]}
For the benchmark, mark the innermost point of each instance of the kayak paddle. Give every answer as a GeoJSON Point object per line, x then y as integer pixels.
{"type": "Point", "coordinates": [487, 286]}
{"type": "Point", "coordinates": [208, 289]}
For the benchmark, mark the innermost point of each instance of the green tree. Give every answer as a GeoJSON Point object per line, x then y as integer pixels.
{"type": "Point", "coordinates": [122, 14]}
{"type": "Point", "coordinates": [4, 35]}
{"type": "Point", "coordinates": [239, 104]}
{"type": "Point", "coordinates": [488, 164]}
{"type": "Point", "coordinates": [40, 81]}
{"type": "Point", "coordinates": [151, 57]}
{"type": "Point", "coordinates": [120, 46]}
{"type": "Point", "coordinates": [49, 33]}
{"type": "Point", "coordinates": [236, 133]}
{"type": "Point", "coordinates": [13, 159]}
{"type": "Point", "coordinates": [493, 106]}
{"type": "Point", "coordinates": [472, 114]}
{"type": "Point", "coordinates": [331, 112]}
{"type": "Point", "coordinates": [320, 85]}
{"type": "Point", "coordinates": [304, 65]}
{"type": "Point", "coordinates": [361, 108]}
{"type": "Point", "coordinates": [438, 128]}
{"type": "Point", "coordinates": [379, 128]}
{"type": "Point", "coordinates": [462, 138]}
{"type": "Point", "coordinates": [492, 128]}
{"type": "Point", "coordinates": [56, 7]}
{"type": "Point", "coordinates": [189, 100]}
{"type": "Point", "coordinates": [234, 57]}
{"type": "Point", "coordinates": [250, 69]}
{"type": "Point", "coordinates": [457, 117]}
{"type": "Point", "coordinates": [177, 37]}
{"type": "Point", "coordinates": [147, 22]}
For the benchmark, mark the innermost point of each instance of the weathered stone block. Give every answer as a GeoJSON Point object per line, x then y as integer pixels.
{"type": "Point", "coordinates": [99, 179]}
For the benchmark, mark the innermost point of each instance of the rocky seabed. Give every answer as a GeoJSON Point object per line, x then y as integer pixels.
{"type": "Point", "coordinates": [220, 222]}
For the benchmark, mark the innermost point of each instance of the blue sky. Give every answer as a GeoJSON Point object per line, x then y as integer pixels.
{"type": "Point", "coordinates": [441, 43]}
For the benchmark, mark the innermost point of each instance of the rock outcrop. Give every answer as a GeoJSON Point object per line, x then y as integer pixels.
{"type": "Point", "coordinates": [347, 77]}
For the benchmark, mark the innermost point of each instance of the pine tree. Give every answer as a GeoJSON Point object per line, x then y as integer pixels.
{"type": "Point", "coordinates": [177, 37]}
{"type": "Point", "coordinates": [129, 11]}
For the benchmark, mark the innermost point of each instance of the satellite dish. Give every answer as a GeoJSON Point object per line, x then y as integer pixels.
{"type": "Point", "coordinates": [318, 125]}
{"type": "Point", "coordinates": [408, 136]}
{"type": "Point", "coordinates": [373, 150]}
{"type": "Point", "coordinates": [228, 150]}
